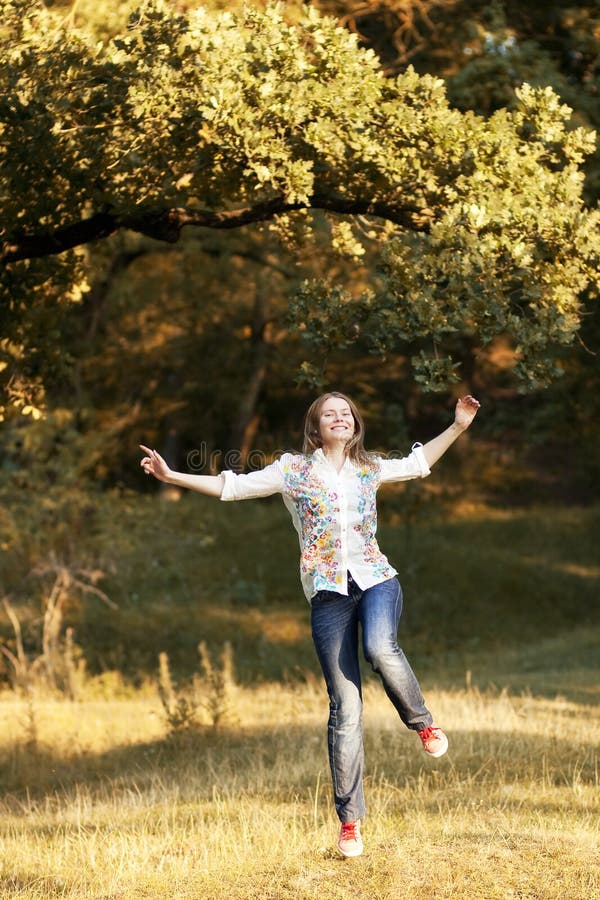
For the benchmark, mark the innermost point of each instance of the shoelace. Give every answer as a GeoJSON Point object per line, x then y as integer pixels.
{"type": "Point", "coordinates": [428, 733]}
{"type": "Point", "coordinates": [349, 830]}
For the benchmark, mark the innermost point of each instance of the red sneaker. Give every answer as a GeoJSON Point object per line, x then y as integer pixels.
{"type": "Point", "coordinates": [434, 740]}
{"type": "Point", "coordinates": [350, 842]}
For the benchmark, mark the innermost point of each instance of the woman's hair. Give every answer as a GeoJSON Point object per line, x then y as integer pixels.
{"type": "Point", "coordinates": [312, 434]}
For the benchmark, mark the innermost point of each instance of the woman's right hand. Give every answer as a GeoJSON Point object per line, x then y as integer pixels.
{"type": "Point", "coordinates": [154, 464]}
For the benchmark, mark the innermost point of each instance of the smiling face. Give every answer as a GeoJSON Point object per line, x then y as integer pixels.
{"type": "Point", "coordinates": [336, 422]}
{"type": "Point", "coordinates": [333, 422]}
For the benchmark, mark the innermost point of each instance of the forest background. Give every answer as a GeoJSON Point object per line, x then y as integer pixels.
{"type": "Point", "coordinates": [211, 348]}
{"type": "Point", "coordinates": [209, 215]}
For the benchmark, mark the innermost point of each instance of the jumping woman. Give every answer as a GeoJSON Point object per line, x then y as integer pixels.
{"type": "Point", "coordinates": [330, 491]}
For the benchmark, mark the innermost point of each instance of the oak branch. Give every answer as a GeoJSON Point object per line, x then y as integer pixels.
{"type": "Point", "coordinates": [166, 224]}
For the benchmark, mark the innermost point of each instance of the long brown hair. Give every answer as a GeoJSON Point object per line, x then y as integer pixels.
{"type": "Point", "coordinates": [312, 435]}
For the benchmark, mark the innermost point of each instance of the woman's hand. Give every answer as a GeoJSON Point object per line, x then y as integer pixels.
{"type": "Point", "coordinates": [466, 410]}
{"type": "Point", "coordinates": [154, 464]}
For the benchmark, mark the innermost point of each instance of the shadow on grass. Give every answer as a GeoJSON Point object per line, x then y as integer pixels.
{"type": "Point", "coordinates": [227, 779]}
{"type": "Point", "coordinates": [272, 763]}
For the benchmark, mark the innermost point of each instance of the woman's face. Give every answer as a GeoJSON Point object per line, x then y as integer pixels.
{"type": "Point", "coordinates": [336, 422]}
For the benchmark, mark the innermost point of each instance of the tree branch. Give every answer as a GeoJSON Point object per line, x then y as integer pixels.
{"type": "Point", "coordinates": [166, 224]}
{"type": "Point", "coordinates": [34, 246]}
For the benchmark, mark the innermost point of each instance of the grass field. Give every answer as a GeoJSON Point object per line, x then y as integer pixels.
{"type": "Point", "coordinates": [105, 805]}
{"type": "Point", "coordinates": [100, 801]}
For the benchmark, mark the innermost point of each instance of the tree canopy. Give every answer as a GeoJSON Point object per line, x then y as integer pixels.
{"type": "Point", "coordinates": [219, 119]}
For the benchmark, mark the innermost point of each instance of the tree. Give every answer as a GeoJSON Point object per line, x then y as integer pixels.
{"type": "Point", "coordinates": [218, 121]}
{"type": "Point", "coordinates": [485, 51]}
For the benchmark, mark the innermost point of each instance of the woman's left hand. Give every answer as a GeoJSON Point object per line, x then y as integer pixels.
{"type": "Point", "coordinates": [466, 410]}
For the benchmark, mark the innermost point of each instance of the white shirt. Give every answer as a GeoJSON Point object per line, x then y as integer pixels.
{"type": "Point", "coordinates": [334, 513]}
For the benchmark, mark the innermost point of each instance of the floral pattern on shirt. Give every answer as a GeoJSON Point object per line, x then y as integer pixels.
{"type": "Point", "coordinates": [318, 510]}
{"type": "Point", "coordinates": [333, 510]}
{"type": "Point", "coordinates": [369, 479]}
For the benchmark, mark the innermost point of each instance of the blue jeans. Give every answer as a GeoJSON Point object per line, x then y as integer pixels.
{"type": "Point", "coordinates": [334, 620]}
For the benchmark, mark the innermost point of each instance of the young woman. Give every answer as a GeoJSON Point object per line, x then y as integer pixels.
{"type": "Point", "coordinates": [330, 491]}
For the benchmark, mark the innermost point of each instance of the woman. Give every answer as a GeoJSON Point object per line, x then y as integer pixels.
{"type": "Point", "coordinates": [330, 491]}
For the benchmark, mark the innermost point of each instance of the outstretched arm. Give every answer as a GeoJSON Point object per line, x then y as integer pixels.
{"type": "Point", "coordinates": [466, 410]}
{"type": "Point", "coordinates": [154, 464]}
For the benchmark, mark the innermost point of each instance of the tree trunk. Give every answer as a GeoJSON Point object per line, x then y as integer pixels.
{"type": "Point", "coordinates": [245, 426]}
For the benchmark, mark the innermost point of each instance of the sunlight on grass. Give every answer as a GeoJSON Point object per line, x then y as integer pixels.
{"type": "Point", "coordinates": [101, 802]}
{"type": "Point", "coordinates": [105, 805]}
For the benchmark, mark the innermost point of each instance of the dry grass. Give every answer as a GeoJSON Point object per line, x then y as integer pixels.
{"type": "Point", "coordinates": [104, 805]}
{"type": "Point", "coordinates": [99, 803]}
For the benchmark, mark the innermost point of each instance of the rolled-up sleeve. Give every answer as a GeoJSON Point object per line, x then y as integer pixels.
{"type": "Point", "coordinates": [261, 483]}
{"type": "Point", "coordinates": [412, 466]}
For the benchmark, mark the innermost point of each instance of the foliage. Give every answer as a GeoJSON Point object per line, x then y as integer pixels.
{"type": "Point", "coordinates": [219, 120]}
{"type": "Point", "coordinates": [485, 51]}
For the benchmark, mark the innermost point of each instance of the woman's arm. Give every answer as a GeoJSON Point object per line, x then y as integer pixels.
{"type": "Point", "coordinates": [154, 464]}
{"type": "Point", "coordinates": [466, 410]}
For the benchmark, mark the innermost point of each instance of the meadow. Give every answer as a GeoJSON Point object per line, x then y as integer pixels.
{"type": "Point", "coordinates": [106, 805]}
{"type": "Point", "coordinates": [103, 799]}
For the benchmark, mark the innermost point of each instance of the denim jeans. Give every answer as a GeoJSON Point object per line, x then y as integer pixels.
{"type": "Point", "coordinates": [334, 620]}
